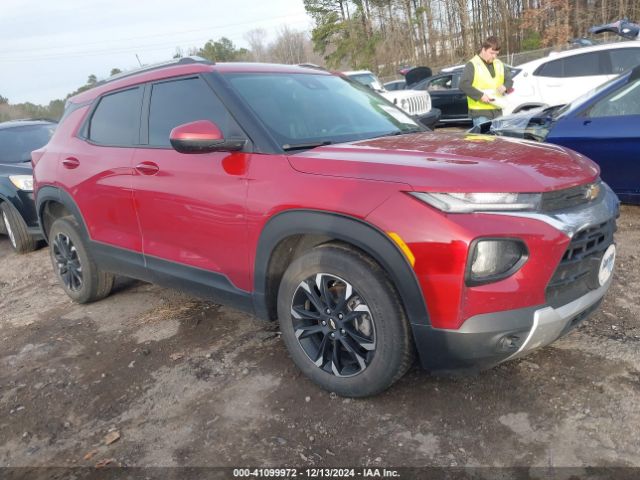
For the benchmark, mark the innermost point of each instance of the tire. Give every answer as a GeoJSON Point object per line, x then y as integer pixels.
{"type": "Point", "coordinates": [16, 229]}
{"type": "Point", "coordinates": [72, 263]}
{"type": "Point", "coordinates": [364, 345]}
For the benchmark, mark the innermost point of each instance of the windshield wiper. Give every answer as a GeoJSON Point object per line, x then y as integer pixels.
{"type": "Point", "coordinates": [287, 147]}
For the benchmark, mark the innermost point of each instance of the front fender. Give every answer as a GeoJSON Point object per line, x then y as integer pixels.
{"type": "Point", "coordinates": [354, 231]}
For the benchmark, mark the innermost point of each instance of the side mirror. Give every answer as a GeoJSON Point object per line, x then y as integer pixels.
{"type": "Point", "coordinates": [202, 136]}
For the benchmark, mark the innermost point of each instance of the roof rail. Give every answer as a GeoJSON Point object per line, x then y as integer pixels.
{"type": "Point", "coordinates": [156, 66]}
{"type": "Point", "coordinates": [312, 65]}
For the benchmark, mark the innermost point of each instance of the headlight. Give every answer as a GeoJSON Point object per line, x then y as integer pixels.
{"type": "Point", "coordinates": [480, 202]}
{"type": "Point", "coordinates": [22, 182]}
{"type": "Point", "coordinates": [493, 259]}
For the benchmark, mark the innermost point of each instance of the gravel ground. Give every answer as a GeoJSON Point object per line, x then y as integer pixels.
{"type": "Point", "coordinates": [151, 377]}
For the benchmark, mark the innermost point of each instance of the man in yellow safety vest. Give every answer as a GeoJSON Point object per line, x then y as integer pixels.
{"type": "Point", "coordinates": [485, 80]}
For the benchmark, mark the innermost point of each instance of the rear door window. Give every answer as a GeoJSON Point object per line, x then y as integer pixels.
{"type": "Point", "coordinates": [182, 101]}
{"type": "Point", "coordinates": [583, 65]}
{"type": "Point", "coordinates": [116, 118]}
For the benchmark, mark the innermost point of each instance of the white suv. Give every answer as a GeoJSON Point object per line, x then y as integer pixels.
{"type": "Point", "coordinates": [416, 103]}
{"type": "Point", "coordinates": [563, 76]}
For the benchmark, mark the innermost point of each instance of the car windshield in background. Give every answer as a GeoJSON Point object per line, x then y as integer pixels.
{"type": "Point", "coordinates": [569, 107]}
{"type": "Point", "coordinates": [366, 79]}
{"type": "Point", "coordinates": [306, 110]}
{"type": "Point", "coordinates": [17, 143]}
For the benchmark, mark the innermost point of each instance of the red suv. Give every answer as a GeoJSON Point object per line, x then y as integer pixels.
{"type": "Point", "coordinates": [296, 195]}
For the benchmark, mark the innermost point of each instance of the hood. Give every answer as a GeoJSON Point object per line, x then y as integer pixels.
{"type": "Point", "coordinates": [416, 74]}
{"type": "Point", "coordinates": [453, 162]}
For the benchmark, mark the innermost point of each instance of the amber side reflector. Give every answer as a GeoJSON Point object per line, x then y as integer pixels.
{"type": "Point", "coordinates": [403, 246]}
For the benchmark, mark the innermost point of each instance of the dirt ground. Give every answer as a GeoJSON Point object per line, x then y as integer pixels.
{"type": "Point", "coordinates": [174, 381]}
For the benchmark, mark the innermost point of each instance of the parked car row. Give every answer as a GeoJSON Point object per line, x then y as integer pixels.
{"type": "Point", "coordinates": [553, 80]}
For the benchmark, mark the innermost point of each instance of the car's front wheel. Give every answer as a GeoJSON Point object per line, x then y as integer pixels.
{"type": "Point", "coordinates": [342, 322]}
{"type": "Point", "coordinates": [80, 277]}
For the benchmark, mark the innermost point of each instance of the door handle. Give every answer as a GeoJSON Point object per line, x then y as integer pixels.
{"type": "Point", "coordinates": [147, 168]}
{"type": "Point", "coordinates": [587, 122]}
{"type": "Point", "coordinates": [70, 163]}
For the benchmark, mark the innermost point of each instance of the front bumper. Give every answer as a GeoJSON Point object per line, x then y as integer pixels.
{"type": "Point", "coordinates": [486, 340]}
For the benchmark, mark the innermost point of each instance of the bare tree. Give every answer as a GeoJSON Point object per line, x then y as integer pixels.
{"type": "Point", "coordinates": [257, 40]}
{"type": "Point", "coordinates": [288, 47]}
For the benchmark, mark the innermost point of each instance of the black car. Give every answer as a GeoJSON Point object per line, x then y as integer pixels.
{"type": "Point", "coordinates": [446, 95]}
{"type": "Point", "coordinates": [18, 138]}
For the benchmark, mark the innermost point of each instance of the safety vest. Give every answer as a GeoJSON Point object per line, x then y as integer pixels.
{"type": "Point", "coordinates": [483, 81]}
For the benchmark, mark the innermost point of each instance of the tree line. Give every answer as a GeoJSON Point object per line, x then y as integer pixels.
{"type": "Point", "coordinates": [383, 34]}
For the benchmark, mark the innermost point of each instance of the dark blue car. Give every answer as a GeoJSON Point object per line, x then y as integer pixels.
{"type": "Point", "coordinates": [604, 125]}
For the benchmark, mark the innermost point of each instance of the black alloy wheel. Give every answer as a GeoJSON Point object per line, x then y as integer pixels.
{"type": "Point", "coordinates": [333, 325]}
{"type": "Point", "coordinates": [67, 262]}
{"type": "Point", "coordinates": [342, 321]}
{"type": "Point", "coordinates": [73, 262]}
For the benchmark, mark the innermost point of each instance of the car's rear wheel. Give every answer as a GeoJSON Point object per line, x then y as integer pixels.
{"type": "Point", "coordinates": [78, 274]}
{"type": "Point", "coordinates": [16, 229]}
{"type": "Point", "coordinates": [342, 322]}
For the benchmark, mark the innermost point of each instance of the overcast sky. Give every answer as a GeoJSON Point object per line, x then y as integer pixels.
{"type": "Point", "coordinates": [49, 48]}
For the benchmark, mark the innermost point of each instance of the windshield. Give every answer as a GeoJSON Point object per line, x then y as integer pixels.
{"type": "Point", "coordinates": [17, 143]}
{"type": "Point", "coordinates": [582, 98]}
{"type": "Point", "coordinates": [311, 109]}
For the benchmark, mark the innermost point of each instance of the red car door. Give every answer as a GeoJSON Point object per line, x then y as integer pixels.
{"type": "Point", "coordinates": [191, 206]}
{"type": "Point", "coordinates": [99, 174]}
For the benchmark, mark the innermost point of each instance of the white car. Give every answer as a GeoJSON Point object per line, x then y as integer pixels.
{"type": "Point", "coordinates": [562, 77]}
{"type": "Point", "coordinates": [416, 103]}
